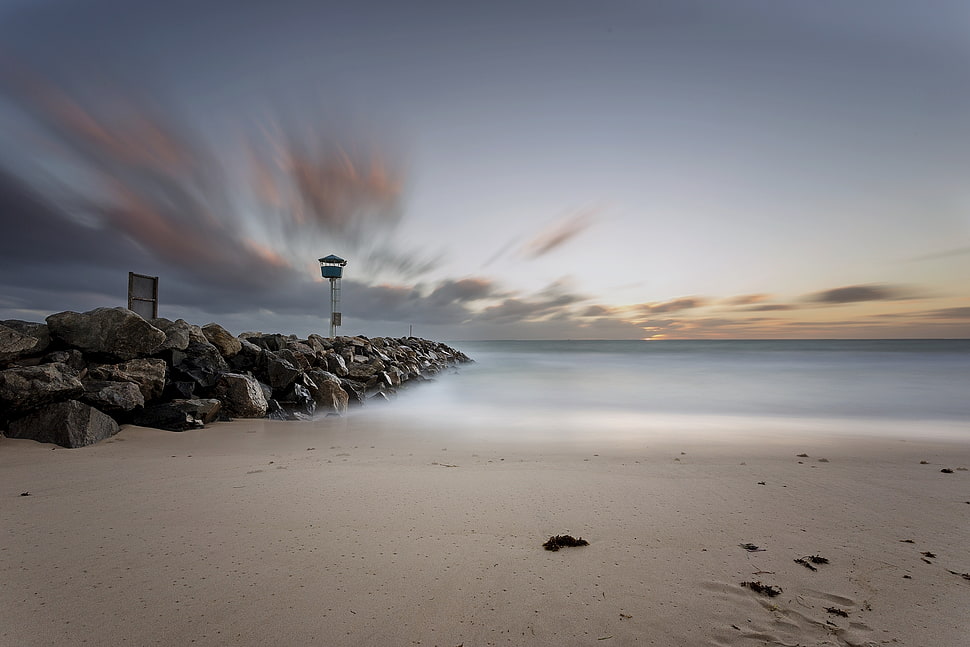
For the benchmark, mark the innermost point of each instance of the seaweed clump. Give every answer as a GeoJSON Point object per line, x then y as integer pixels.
{"type": "Point", "coordinates": [763, 589]}
{"type": "Point", "coordinates": [564, 541]}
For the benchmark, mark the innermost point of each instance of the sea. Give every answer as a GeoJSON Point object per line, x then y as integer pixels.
{"type": "Point", "coordinates": [630, 390]}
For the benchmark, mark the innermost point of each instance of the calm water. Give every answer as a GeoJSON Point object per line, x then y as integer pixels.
{"type": "Point", "coordinates": [909, 387]}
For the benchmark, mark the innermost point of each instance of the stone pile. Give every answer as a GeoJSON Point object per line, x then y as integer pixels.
{"type": "Point", "coordinates": [73, 380]}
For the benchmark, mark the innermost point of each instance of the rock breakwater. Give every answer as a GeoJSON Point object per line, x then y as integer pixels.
{"type": "Point", "coordinates": [74, 379]}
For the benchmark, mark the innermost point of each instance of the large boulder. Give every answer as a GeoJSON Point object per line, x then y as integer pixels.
{"type": "Point", "coordinates": [176, 333]}
{"type": "Point", "coordinates": [278, 372]}
{"type": "Point", "coordinates": [336, 364]}
{"type": "Point", "coordinates": [298, 403]}
{"type": "Point", "coordinates": [68, 424]}
{"type": "Point", "coordinates": [241, 395]}
{"type": "Point", "coordinates": [222, 339]}
{"type": "Point", "coordinates": [170, 416]}
{"type": "Point", "coordinates": [201, 363]}
{"type": "Point", "coordinates": [327, 392]}
{"type": "Point", "coordinates": [117, 332]}
{"type": "Point", "coordinates": [113, 398]}
{"type": "Point", "coordinates": [23, 388]}
{"type": "Point", "coordinates": [247, 359]}
{"type": "Point", "coordinates": [148, 374]}
{"type": "Point", "coordinates": [18, 341]}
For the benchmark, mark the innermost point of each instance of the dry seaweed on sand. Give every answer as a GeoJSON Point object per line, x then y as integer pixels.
{"type": "Point", "coordinates": [816, 559]}
{"type": "Point", "coordinates": [563, 541]}
{"type": "Point", "coordinates": [837, 611]}
{"type": "Point", "coordinates": [763, 589]}
{"type": "Point", "coordinates": [751, 548]}
{"type": "Point", "coordinates": [927, 553]}
{"type": "Point", "coordinates": [804, 562]}
{"type": "Point", "coordinates": [965, 576]}
{"type": "Point", "coordinates": [947, 470]}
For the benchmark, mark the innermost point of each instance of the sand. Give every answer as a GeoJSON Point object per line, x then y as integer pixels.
{"type": "Point", "coordinates": [353, 532]}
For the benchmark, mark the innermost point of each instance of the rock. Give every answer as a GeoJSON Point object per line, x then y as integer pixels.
{"type": "Point", "coordinates": [362, 372]}
{"type": "Point", "coordinates": [113, 398]}
{"type": "Point", "coordinates": [298, 403]}
{"type": "Point", "coordinates": [117, 332]}
{"type": "Point", "coordinates": [23, 388]}
{"type": "Point", "coordinates": [176, 333]}
{"type": "Point", "coordinates": [15, 344]}
{"type": "Point", "coordinates": [38, 331]}
{"type": "Point", "coordinates": [272, 343]}
{"type": "Point", "coordinates": [72, 357]}
{"type": "Point", "coordinates": [179, 390]}
{"type": "Point", "coordinates": [148, 374]}
{"type": "Point", "coordinates": [68, 424]}
{"type": "Point", "coordinates": [336, 364]}
{"type": "Point", "coordinates": [279, 373]}
{"type": "Point", "coordinates": [170, 416]}
{"type": "Point", "coordinates": [327, 392]}
{"type": "Point", "coordinates": [274, 411]}
{"type": "Point", "coordinates": [355, 395]}
{"type": "Point", "coordinates": [319, 344]}
{"type": "Point", "coordinates": [241, 395]}
{"type": "Point", "coordinates": [205, 409]}
{"type": "Point", "coordinates": [247, 359]}
{"type": "Point", "coordinates": [200, 362]}
{"type": "Point", "coordinates": [222, 339]}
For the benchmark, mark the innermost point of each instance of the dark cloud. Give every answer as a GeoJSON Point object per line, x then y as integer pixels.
{"type": "Point", "coordinates": [860, 293]}
{"type": "Point", "coordinates": [559, 234]}
{"type": "Point", "coordinates": [676, 305]}
{"type": "Point", "coordinates": [463, 290]}
{"type": "Point", "coordinates": [515, 309]}
{"type": "Point", "coordinates": [949, 313]}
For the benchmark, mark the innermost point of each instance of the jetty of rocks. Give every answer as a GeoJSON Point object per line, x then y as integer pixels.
{"type": "Point", "coordinates": [74, 379]}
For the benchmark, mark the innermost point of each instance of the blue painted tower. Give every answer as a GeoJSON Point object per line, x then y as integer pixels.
{"type": "Point", "coordinates": [332, 267]}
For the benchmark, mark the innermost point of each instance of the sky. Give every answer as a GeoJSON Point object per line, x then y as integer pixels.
{"type": "Point", "coordinates": [652, 169]}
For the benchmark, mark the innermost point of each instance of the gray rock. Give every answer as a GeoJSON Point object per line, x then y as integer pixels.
{"type": "Point", "coordinates": [176, 333]}
{"type": "Point", "coordinates": [279, 373]}
{"type": "Point", "coordinates": [298, 403]}
{"type": "Point", "coordinates": [148, 374]}
{"type": "Point", "coordinates": [327, 392]}
{"type": "Point", "coordinates": [241, 395]}
{"type": "Point", "coordinates": [72, 357]}
{"type": "Point", "coordinates": [170, 416]}
{"type": "Point", "coordinates": [222, 339]}
{"type": "Point", "coordinates": [68, 424]}
{"type": "Point", "coordinates": [117, 332]}
{"type": "Point", "coordinates": [15, 344]}
{"type": "Point", "coordinates": [336, 364]}
{"type": "Point", "coordinates": [113, 398]}
{"type": "Point", "coordinates": [38, 331]}
{"type": "Point", "coordinates": [200, 362]}
{"type": "Point", "coordinates": [23, 388]}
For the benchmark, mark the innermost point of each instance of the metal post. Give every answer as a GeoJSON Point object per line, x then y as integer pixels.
{"type": "Point", "coordinates": [334, 305]}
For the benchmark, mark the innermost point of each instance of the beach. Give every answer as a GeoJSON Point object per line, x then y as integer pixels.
{"type": "Point", "coordinates": [371, 529]}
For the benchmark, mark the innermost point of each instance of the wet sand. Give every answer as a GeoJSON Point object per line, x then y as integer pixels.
{"type": "Point", "coordinates": [357, 532]}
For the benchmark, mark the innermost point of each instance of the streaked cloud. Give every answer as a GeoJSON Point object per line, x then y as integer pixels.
{"type": "Point", "coordinates": [559, 233]}
{"type": "Point", "coordinates": [861, 293]}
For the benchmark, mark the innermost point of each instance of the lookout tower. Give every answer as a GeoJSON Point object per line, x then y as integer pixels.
{"type": "Point", "coordinates": [332, 267]}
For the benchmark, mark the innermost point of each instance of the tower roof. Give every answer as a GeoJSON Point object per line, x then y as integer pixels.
{"type": "Point", "coordinates": [333, 258]}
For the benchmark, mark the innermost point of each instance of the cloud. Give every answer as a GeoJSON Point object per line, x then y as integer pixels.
{"type": "Point", "coordinates": [949, 313]}
{"type": "Point", "coordinates": [676, 305]}
{"type": "Point", "coordinates": [746, 299]}
{"type": "Point", "coordinates": [559, 233]}
{"type": "Point", "coordinates": [859, 294]}
{"type": "Point", "coordinates": [769, 307]}
{"type": "Point", "coordinates": [946, 253]}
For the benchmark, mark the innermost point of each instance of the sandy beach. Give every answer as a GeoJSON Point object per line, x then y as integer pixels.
{"type": "Point", "coordinates": [360, 531]}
